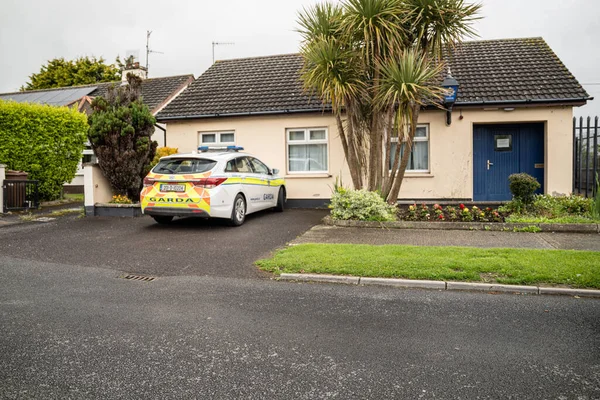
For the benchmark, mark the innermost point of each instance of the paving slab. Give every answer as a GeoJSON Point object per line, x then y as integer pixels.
{"type": "Point", "coordinates": [426, 237]}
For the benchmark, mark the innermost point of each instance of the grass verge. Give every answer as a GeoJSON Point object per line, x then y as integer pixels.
{"type": "Point", "coordinates": [510, 266]}
{"type": "Point", "coordinates": [74, 196]}
{"type": "Point", "coordinates": [570, 219]}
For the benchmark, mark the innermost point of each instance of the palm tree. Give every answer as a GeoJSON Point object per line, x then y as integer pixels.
{"type": "Point", "coordinates": [376, 62]}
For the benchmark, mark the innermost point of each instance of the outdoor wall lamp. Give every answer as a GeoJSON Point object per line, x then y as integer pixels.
{"type": "Point", "coordinates": [450, 98]}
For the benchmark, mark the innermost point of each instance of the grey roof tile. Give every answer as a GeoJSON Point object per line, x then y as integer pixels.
{"type": "Point", "coordinates": [487, 71]}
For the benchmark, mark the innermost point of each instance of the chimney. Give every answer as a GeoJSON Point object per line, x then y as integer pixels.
{"type": "Point", "coordinates": [135, 69]}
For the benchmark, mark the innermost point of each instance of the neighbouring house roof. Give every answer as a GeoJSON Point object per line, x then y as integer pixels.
{"type": "Point", "coordinates": [156, 92]}
{"type": "Point", "coordinates": [492, 71]}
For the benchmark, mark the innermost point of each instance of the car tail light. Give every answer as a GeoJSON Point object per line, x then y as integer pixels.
{"type": "Point", "coordinates": [148, 182]}
{"type": "Point", "coordinates": [208, 183]}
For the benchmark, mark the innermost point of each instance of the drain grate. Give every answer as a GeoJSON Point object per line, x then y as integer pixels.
{"type": "Point", "coordinates": [143, 278]}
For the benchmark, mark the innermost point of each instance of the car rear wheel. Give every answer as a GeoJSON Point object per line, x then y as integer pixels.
{"type": "Point", "coordinates": [238, 214]}
{"type": "Point", "coordinates": [280, 200]}
{"type": "Point", "coordinates": [162, 219]}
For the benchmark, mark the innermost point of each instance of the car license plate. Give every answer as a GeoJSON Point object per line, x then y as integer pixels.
{"type": "Point", "coordinates": [172, 188]}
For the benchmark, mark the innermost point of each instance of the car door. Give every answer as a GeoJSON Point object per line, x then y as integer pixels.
{"type": "Point", "coordinates": [250, 185]}
{"type": "Point", "coordinates": [239, 170]}
{"type": "Point", "coordinates": [268, 194]}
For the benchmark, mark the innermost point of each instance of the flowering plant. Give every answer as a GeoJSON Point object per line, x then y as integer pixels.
{"type": "Point", "coordinates": [465, 214]}
{"type": "Point", "coordinates": [451, 211]}
{"type": "Point", "coordinates": [120, 199]}
{"type": "Point", "coordinates": [425, 212]}
{"type": "Point", "coordinates": [412, 212]}
{"type": "Point", "coordinates": [439, 212]}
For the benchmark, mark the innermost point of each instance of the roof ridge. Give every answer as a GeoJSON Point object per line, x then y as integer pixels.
{"type": "Point", "coordinates": [59, 88]}
{"type": "Point", "coordinates": [463, 42]}
{"type": "Point", "coordinates": [169, 76]}
{"type": "Point", "coordinates": [90, 85]}
{"type": "Point", "coordinates": [503, 40]}
{"type": "Point", "coordinates": [255, 57]}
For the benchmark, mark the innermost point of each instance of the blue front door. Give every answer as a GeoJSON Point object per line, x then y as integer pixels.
{"type": "Point", "coordinates": [501, 150]}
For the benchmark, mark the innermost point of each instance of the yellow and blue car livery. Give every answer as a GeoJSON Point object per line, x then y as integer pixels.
{"type": "Point", "coordinates": [179, 187]}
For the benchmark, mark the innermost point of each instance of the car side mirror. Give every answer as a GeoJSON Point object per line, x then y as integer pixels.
{"type": "Point", "coordinates": [274, 171]}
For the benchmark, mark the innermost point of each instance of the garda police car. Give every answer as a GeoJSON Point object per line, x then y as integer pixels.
{"type": "Point", "coordinates": [215, 182]}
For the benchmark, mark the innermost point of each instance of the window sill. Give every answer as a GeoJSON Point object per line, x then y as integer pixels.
{"type": "Point", "coordinates": [418, 175]}
{"type": "Point", "coordinates": [304, 176]}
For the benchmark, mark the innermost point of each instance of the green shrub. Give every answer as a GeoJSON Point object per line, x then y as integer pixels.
{"type": "Point", "coordinates": [163, 152]}
{"type": "Point", "coordinates": [557, 206]}
{"type": "Point", "coordinates": [515, 206]}
{"type": "Point", "coordinates": [121, 128]}
{"type": "Point", "coordinates": [595, 208]}
{"type": "Point", "coordinates": [361, 205]}
{"type": "Point", "coordinates": [45, 141]}
{"type": "Point", "coordinates": [523, 186]}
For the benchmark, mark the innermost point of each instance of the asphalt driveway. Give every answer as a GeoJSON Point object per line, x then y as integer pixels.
{"type": "Point", "coordinates": [139, 245]}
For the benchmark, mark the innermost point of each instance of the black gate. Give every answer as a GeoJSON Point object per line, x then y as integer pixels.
{"type": "Point", "coordinates": [20, 195]}
{"type": "Point", "coordinates": [586, 156]}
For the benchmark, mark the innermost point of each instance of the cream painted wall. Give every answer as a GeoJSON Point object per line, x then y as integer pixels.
{"type": "Point", "coordinates": [450, 152]}
{"type": "Point", "coordinates": [265, 138]}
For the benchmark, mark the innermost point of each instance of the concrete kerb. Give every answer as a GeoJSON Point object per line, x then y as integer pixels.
{"type": "Point", "coordinates": [439, 285]}
{"type": "Point", "coordinates": [472, 226]}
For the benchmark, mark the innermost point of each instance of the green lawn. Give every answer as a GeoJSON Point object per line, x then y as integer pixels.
{"type": "Point", "coordinates": [512, 266]}
{"type": "Point", "coordinates": [569, 219]}
{"type": "Point", "coordinates": [74, 196]}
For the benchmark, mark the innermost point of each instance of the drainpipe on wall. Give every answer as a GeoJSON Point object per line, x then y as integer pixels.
{"type": "Point", "coordinates": [164, 133]}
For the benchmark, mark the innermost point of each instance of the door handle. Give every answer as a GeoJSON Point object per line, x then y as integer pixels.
{"type": "Point", "coordinates": [488, 164]}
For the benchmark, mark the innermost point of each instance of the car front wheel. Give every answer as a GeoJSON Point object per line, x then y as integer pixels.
{"type": "Point", "coordinates": [280, 200]}
{"type": "Point", "coordinates": [238, 214]}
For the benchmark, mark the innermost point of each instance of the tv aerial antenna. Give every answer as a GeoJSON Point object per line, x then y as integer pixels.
{"type": "Point", "coordinates": [219, 44]}
{"type": "Point", "coordinates": [148, 50]}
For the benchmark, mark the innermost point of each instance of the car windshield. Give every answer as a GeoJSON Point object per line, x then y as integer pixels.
{"type": "Point", "coordinates": [184, 166]}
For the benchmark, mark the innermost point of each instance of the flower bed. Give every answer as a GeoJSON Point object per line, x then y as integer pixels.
{"type": "Point", "coordinates": [542, 209]}
{"type": "Point", "coordinates": [460, 213]}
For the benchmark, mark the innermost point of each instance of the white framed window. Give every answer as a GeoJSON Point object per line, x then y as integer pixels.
{"type": "Point", "coordinates": [419, 156]}
{"type": "Point", "coordinates": [307, 150]}
{"type": "Point", "coordinates": [226, 138]}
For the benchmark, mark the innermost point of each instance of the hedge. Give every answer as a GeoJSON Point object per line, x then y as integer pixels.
{"type": "Point", "coordinates": [45, 141]}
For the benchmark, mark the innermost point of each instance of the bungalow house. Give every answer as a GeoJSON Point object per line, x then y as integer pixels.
{"type": "Point", "coordinates": [156, 94]}
{"type": "Point", "coordinates": [513, 114]}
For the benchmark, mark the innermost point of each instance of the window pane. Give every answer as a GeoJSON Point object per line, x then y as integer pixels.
{"type": "Point", "coordinates": [419, 158]}
{"type": "Point", "coordinates": [227, 138]}
{"type": "Point", "coordinates": [421, 131]}
{"type": "Point", "coordinates": [259, 167]}
{"type": "Point", "coordinates": [230, 167]}
{"type": "Point", "coordinates": [184, 166]}
{"type": "Point", "coordinates": [296, 135]}
{"type": "Point", "coordinates": [209, 138]}
{"type": "Point", "coordinates": [305, 158]}
{"type": "Point", "coordinates": [317, 135]}
{"type": "Point", "coordinates": [297, 158]}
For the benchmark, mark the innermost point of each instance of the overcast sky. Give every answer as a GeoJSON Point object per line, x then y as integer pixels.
{"type": "Point", "coordinates": [35, 31]}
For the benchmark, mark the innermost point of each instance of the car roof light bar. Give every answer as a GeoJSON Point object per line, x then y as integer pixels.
{"type": "Point", "coordinates": [220, 148]}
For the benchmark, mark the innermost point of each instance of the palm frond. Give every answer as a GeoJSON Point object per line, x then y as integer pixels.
{"type": "Point", "coordinates": [330, 71]}
{"type": "Point", "coordinates": [376, 26]}
{"type": "Point", "coordinates": [434, 24]}
{"type": "Point", "coordinates": [319, 21]}
{"type": "Point", "coordinates": [408, 80]}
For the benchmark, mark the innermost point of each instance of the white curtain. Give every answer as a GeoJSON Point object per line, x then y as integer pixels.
{"type": "Point", "coordinates": [419, 158]}
{"type": "Point", "coordinates": [307, 157]}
